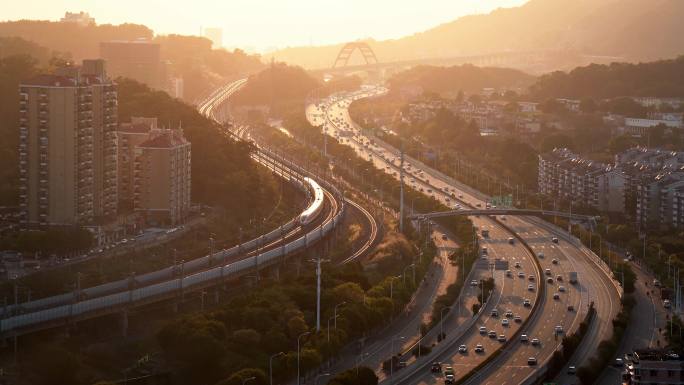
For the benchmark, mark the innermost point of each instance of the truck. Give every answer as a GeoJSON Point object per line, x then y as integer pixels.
{"type": "Point", "coordinates": [572, 277]}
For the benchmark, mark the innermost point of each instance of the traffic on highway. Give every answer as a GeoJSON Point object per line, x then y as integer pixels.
{"type": "Point", "coordinates": [544, 283]}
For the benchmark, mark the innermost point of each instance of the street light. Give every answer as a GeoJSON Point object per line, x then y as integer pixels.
{"type": "Point", "coordinates": [298, 344]}
{"type": "Point", "coordinates": [270, 366]}
{"type": "Point", "coordinates": [248, 379]}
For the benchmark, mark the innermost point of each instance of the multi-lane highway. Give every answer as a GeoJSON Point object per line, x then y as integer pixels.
{"type": "Point", "coordinates": [560, 258]}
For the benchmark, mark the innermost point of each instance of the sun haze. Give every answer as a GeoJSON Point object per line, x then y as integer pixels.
{"type": "Point", "coordinates": [266, 24]}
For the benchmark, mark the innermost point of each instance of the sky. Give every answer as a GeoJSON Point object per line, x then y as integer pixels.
{"type": "Point", "coordinates": [265, 24]}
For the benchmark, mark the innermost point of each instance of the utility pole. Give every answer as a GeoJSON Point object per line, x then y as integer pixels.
{"type": "Point", "coordinates": [401, 189]}
{"type": "Point", "coordinates": [318, 262]}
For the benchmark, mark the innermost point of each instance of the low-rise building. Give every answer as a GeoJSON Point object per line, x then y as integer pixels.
{"type": "Point", "coordinates": [655, 367]}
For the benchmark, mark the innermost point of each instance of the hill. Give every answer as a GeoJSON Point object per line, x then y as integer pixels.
{"type": "Point", "coordinates": [663, 78]}
{"type": "Point", "coordinates": [572, 32]}
{"type": "Point", "coordinates": [466, 78]}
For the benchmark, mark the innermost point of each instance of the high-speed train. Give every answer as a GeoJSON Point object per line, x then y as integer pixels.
{"type": "Point", "coordinates": [315, 208]}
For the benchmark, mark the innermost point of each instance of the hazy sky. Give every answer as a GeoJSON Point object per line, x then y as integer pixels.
{"type": "Point", "coordinates": [261, 24]}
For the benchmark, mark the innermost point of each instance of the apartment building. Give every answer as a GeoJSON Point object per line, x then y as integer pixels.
{"type": "Point", "coordinates": [67, 146]}
{"type": "Point", "coordinates": [566, 175]}
{"type": "Point", "coordinates": [644, 183]}
{"type": "Point", "coordinates": [130, 135]}
{"type": "Point", "coordinates": [162, 175]}
{"type": "Point", "coordinates": [655, 367]}
{"type": "Point", "coordinates": [655, 200]}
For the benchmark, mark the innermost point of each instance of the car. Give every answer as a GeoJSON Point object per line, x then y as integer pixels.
{"type": "Point", "coordinates": [554, 261]}
{"type": "Point", "coordinates": [460, 196]}
{"type": "Point", "coordinates": [559, 278]}
{"type": "Point", "coordinates": [479, 348]}
{"type": "Point", "coordinates": [527, 303]}
{"type": "Point", "coordinates": [436, 367]}
{"type": "Point", "coordinates": [483, 330]}
{"type": "Point", "coordinates": [558, 329]}
{"type": "Point", "coordinates": [521, 275]}
{"type": "Point", "coordinates": [509, 273]}
{"type": "Point", "coordinates": [484, 250]}
{"type": "Point", "coordinates": [495, 313]}
{"type": "Point", "coordinates": [530, 277]}
{"type": "Point", "coordinates": [572, 370]}
{"type": "Point", "coordinates": [492, 334]}
{"type": "Point", "coordinates": [474, 282]}
{"type": "Point", "coordinates": [509, 314]}
{"type": "Point", "coordinates": [535, 342]}
{"type": "Point", "coordinates": [517, 264]}
{"type": "Point", "coordinates": [449, 379]}
{"type": "Point", "coordinates": [501, 338]}
{"type": "Point", "coordinates": [449, 370]}
{"type": "Point", "coordinates": [504, 322]}
{"type": "Point", "coordinates": [524, 338]}
{"type": "Point", "coordinates": [547, 271]}
{"type": "Point", "coordinates": [561, 289]}
{"type": "Point", "coordinates": [554, 240]}
{"type": "Point", "coordinates": [540, 255]}
{"type": "Point", "coordinates": [530, 287]}
{"type": "Point", "coordinates": [511, 240]}
{"type": "Point", "coordinates": [531, 361]}
{"type": "Point", "coordinates": [619, 362]}
{"type": "Point", "coordinates": [444, 237]}
{"type": "Point", "coordinates": [571, 308]}
{"type": "Point", "coordinates": [463, 349]}
{"type": "Point", "coordinates": [503, 217]}
{"type": "Point", "coordinates": [549, 280]}
{"type": "Point", "coordinates": [556, 296]}
{"type": "Point", "coordinates": [517, 319]}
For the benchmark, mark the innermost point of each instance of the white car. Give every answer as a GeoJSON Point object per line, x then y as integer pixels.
{"type": "Point", "coordinates": [501, 338]}
{"type": "Point", "coordinates": [524, 338]}
{"type": "Point", "coordinates": [521, 275]}
{"type": "Point", "coordinates": [483, 330]}
{"type": "Point", "coordinates": [535, 342]}
{"type": "Point", "coordinates": [558, 329]}
{"type": "Point", "coordinates": [462, 349]}
{"type": "Point", "coordinates": [530, 287]}
{"type": "Point", "coordinates": [504, 322]}
{"type": "Point", "coordinates": [479, 348]}
{"type": "Point", "coordinates": [474, 282]}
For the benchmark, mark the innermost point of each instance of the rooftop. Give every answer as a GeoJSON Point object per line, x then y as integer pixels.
{"type": "Point", "coordinates": [168, 139]}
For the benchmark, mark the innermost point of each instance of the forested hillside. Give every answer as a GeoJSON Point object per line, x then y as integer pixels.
{"type": "Point", "coordinates": [664, 78]}
{"type": "Point", "coordinates": [466, 78]}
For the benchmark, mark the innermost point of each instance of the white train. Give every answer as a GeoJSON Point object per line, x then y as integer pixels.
{"type": "Point", "coordinates": [163, 290]}
{"type": "Point", "coordinates": [315, 208]}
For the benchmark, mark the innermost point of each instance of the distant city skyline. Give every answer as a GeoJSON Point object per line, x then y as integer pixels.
{"type": "Point", "coordinates": [263, 25]}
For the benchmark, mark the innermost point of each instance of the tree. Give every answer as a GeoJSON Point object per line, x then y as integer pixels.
{"type": "Point", "coordinates": [238, 377]}
{"type": "Point", "coordinates": [365, 376]}
{"type": "Point", "coordinates": [588, 106]}
{"type": "Point", "coordinates": [349, 292]}
{"type": "Point", "coordinates": [52, 365]}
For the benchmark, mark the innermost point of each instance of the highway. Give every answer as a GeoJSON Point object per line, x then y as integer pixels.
{"type": "Point", "coordinates": [511, 292]}
{"type": "Point", "coordinates": [593, 285]}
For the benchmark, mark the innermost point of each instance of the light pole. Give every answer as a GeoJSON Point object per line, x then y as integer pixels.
{"type": "Point", "coordinates": [298, 344]}
{"type": "Point", "coordinates": [270, 366]}
{"type": "Point", "coordinates": [328, 329]}
{"type": "Point", "coordinates": [318, 262]}
{"type": "Point", "coordinates": [248, 379]}
{"type": "Point", "coordinates": [392, 355]}
{"type": "Point", "coordinates": [319, 376]}
{"type": "Point", "coordinates": [403, 275]}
